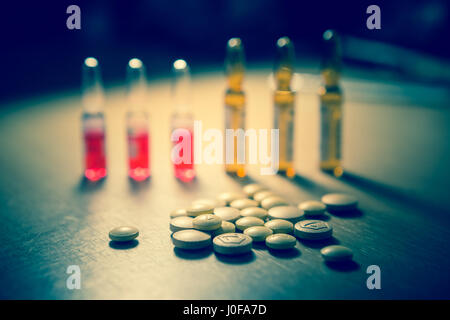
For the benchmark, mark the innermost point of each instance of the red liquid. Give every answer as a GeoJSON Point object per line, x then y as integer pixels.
{"type": "Point", "coordinates": [95, 159]}
{"type": "Point", "coordinates": [185, 171]}
{"type": "Point", "coordinates": [138, 156]}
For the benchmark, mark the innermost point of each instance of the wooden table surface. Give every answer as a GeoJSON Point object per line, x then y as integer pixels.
{"type": "Point", "coordinates": [52, 218]}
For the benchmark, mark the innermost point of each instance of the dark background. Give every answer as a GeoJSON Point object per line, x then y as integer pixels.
{"type": "Point", "coordinates": [40, 55]}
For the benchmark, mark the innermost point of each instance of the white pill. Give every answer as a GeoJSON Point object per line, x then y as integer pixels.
{"type": "Point", "coordinates": [198, 209]}
{"type": "Point", "coordinates": [247, 222]}
{"type": "Point", "coordinates": [181, 223]}
{"type": "Point", "coordinates": [258, 233]}
{"type": "Point", "coordinates": [312, 208]}
{"type": "Point", "coordinates": [229, 197]}
{"type": "Point", "coordinates": [313, 230]}
{"type": "Point", "coordinates": [273, 201]}
{"type": "Point", "coordinates": [210, 202]}
{"type": "Point", "coordinates": [339, 201]}
{"type": "Point", "coordinates": [281, 241]}
{"type": "Point", "coordinates": [260, 196]}
{"type": "Point", "coordinates": [207, 222]}
{"type": "Point", "coordinates": [289, 213]}
{"type": "Point", "coordinates": [232, 243]}
{"type": "Point", "coordinates": [253, 188]}
{"type": "Point", "coordinates": [178, 213]}
{"type": "Point", "coordinates": [123, 234]}
{"type": "Point", "coordinates": [191, 239]}
{"type": "Point", "coordinates": [227, 213]}
{"type": "Point", "coordinates": [226, 227]}
{"type": "Point", "coordinates": [243, 203]}
{"type": "Point", "coordinates": [280, 226]}
{"type": "Point", "coordinates": [254, 212]}
{"type": "Point", "coordinates": [336, 253]}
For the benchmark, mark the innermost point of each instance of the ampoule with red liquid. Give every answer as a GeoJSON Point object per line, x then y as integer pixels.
{"type": "Point", "coordinates": [137, 122]}
{"type": "Point", "coordinates": [93, 121]}
{"type": "Point", "coordinates": [182, 123]}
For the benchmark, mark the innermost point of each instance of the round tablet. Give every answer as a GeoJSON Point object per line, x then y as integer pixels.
{"type": "Point", "coordinates": [247, 222]}
{"type": "Point", "coordinates": [227, 213]}
{"type": "Point", "coordinates": [339, 201]}
{"type": "Point", "coordinates": [198, 209]}
{"type": "Point", "coordinates": [254, 212]}
{"type": "Point", "coordinates": [191, 239]}
{"type": "Point", "coordinates": [229, 197]}
{"type": "Point", "coordinates": [178, 213]}
{"type": "Point", "coordinates": [243, 203]}
{"type": "Point", "coordinates": [232, 243]}
{"type": "Point", "coordinates": [258, 233]}
{"type": "Point", "coordinates": [226, 227]}
{"type": "Point", "coordinates": [273, 201]}
{"type": "Point", "coordinates": [281, 241]}
{"type": "Point", "coordinates": [313, 230]}
{"type": "Point", "coordinates": [210, 202]}
{"type": "Point", "coordinates": [289, 213]}
{"type": "Point", "coordinates": [260, 196]}
{"type": "Point", "coordinates": [123, 234]}
{"type": "Point", "coordinates": [181, 223]}
{"type": "Point", "coordinates": [336, 253]}
{"type": "Point", "coordinates": [207, 222]}
{"type": "Point", "coordinates": [252, 188]}
{"type": "Point", "coordinates": [312, 208]}
{"type": "Point", "coordinates": [280, 226]}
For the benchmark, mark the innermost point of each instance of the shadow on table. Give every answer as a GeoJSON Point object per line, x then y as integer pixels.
{"type": "Point", "coordinates": [307, 184]}
{"type": "Point", "coordinates": [345, 266]}
{"type": "Point", "coordinates": [123, 245]}
{"type": "Point", "coordinates": [374, 187]}
{"type": "Point", "coordinates": [354, 213]}
{"type": "Point", "coordinates": [242, 181]}
{"type": "Point", "coordinates": [285, 254]}
{"type": "Point", "coordinates": [236, 259]}
{"type": "Point", "coordinates": [319, 244]}
{"type": "Point", "coordinates": [188, 185]}
{"type": "Point", "coordinates": [193, 254]}
{"type": "Point", "coordinates": [259, 245]}
{"type": "Point", "coordinates": [138, 186]}
{"type": "Point", "coordinates": [86, 185]}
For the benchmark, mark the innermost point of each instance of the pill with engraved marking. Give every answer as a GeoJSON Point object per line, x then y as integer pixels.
{"type": "Point", "coordinates": [232, 243]}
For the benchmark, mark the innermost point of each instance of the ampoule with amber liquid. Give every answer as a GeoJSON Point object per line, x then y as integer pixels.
{"type": "Point", "coordinates": [284, 101]}
{"type": "Point", "coordinates": [330, 95]}
{"type": "Point", "coordinates": [235, 107]}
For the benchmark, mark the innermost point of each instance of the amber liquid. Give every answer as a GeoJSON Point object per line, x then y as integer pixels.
{"type": "Point", "coordinates": [284, 121]}
{"type": "Point", "coordinates": [235, 119]}
{"type": "Point", "coordinates": [330, 131]}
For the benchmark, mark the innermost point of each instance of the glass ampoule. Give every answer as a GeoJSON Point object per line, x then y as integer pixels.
{"type": "Point", "coordinates": [284, 101]}
{"type": "Point", "coordinates": [235, 105]}
{"type": "Point", "coordinates": [93, 121]}
{"type": "Point", "coordinates": [182, 122]}
{"type": "Point", "coordinates": [137, 122]}
{"type": "Point", "coordinates": [330, 94]}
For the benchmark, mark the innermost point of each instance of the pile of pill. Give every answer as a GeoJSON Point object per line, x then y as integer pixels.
{"type": "Point", "coordinates": [236, 220]}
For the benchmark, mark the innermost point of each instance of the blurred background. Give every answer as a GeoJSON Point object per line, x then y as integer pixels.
{"type": "Point", "coordinates": [40, 54]}
{"type": "Point", "coordinates": [396, 80]}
